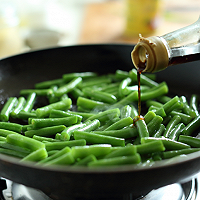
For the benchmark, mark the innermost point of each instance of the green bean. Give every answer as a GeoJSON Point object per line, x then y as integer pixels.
{"type": "Point", "coordinates": [126, 111]}
{"type": "Point", "coordinates": [62, 144]}
{"type": "Point", "coordinates": [83, 75]}
{"type": "Point", "coordinates": [11, 152]}
{"type": "Point", "coordinates": [100, 96]}
{"type": "Point", "coordinates": [96, 150]}
{"type": "Point", "coordinates": [164, 99]}
{"type": "Point", "coordinates": [120, 74]}
{"type": "Point", "coordinates": [151, 147]}
{"type": "Point", "coordinates": [25, 142]}
{"type": "Point", "coordinates": [184, 117]}
{"type": "Point", "coordinates": [171, 154]}
{"type": "Point", "coordinates": [40, 138]}
{"type": "Point", "coordinates": [3, 139]}
{"type": "Point", "coordinates": [67, 132]}
{"type": "Point", "coordinates": [90, 104]}
{"type": "Point", "coordinates": [60, 105]}
{"type": "Point", "coordinates": [154, 103]}
{"type": "Point", "coordinates": [29, 102]}
{"type": "Point", "coordinates": [41, 123]}
{"type": "Point", "coordinates": [126, 82]}
{"type": "Point", "coordinates": [4, 144]}
{"type": "Point", "coordinates": [93, 138]}
{"type": "Point", "coordinates": [132, 97]}
{"type": "Point", "coordinates": [168, 143]}
{"type": "Point", "coordinates": [172, 123]}
{"type": "Point", "coordinates": [124, 160]}
{"type": "Point", "coordinates": [168, 107]}
{"type": "Point", "coordinates": [7, 108]}
{"type": "Point", "coordinates": [154, 125]}
{"type": "Point", "coordinates": [83, 114]}
{"type": "Point", "coordinates": [4, 132]}
{"type": "Point", "coordinates": [68, 87]}
{"type": "Point", "coordinates": [124, 151]}
{"type": "Point", "coordinates": [186, 108]}
{"type": "Point", "coordinates": [36, 156]}
{"type": "Point", "coordinates": [142, 128]}
{"type": "Point", "coordinates": [46, 131]}
{"type": "Point", "coordinates": [158, 91]}
{"type": "Point", "coordinates": [95, 81]}
{"type": "Point", "coordinates": [57, 154]}
{"type": "Point", "coordinates": [76, 92]}
{"type": "Point", "coordinates": [160, 131]}
{"type": "Point", "coordinates": [50, 153]}
{"type": "Point", "coordinates": [86, 160]}
{"type": "Point", "coordinates": [25, 115]}
{"type": "Point", "coordinates": [110, 88]}
{"type": "Point", "coordinates": [106, 115]}
{"type": "Point", "coordinates": [90, 126]}
{"type": "Point", "coordinates": [107, 124]}
{"type": "Point", "coordinates": [11, 126]}
{"type": "Point", "coordinates": [125, 133]}
{"type": "Point", "coordinates": [194, 103]}
{"type": "Point", "coordinates": [149, 116]}
{"type": "Point", "coordinates": [192, 141]}
{"type": "Point", "coordinates": [60, 113]}
{"type": "Point", "coordinates": [39, 92]}
{"type": "Point", "coordinates": [174, 134]}
{"type": "Point", "coordinates": [192, 126]}
{"type": "Point", "coordinates": [65, 159]}
{"type": "Point", "coordinates": [18, 107]}
{"type": "Point", "coordinates": [48, 84]}
{"type": "Point", "coordinates": [128, 89]}
{"type": "Point", "coordinates": [143, 79]}
{"type": "Point", "coordinates": [120, 124]}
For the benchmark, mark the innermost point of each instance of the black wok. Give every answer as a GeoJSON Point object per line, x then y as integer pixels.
{"type": "Point", "coordinates": [23, 71]}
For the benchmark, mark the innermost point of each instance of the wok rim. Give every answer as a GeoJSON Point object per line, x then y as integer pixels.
{"type": "Point", "coordinates": [71, 169]}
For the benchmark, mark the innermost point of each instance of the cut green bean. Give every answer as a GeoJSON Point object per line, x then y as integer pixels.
{"type": "Point", "coordinates": [194, 103]}
{"type": "Point", "coordinates": [168, 143]}
{"type": "Point", "coordinates": [122, 123]}
{"type": "Point", "coordinates": [86, 160]}
{"type": "Point", "coordinates": [40, 138]}
{"type": "Point", "coordinates": [192, 141]}
{"type": "Point", "coordinates": [48, 84]}
{"type": "Point", "coordinates": [151, 147]}
{"type": "Point", "coordinates": [57, 154]}
{"type": "Point", "coordinates": [184, 117]}
{"type": "Point", "coordinates": [11, 126]}
{"type": "Point", "coordinates": [38, 92]}
{"type": "Point", "coordinates": [100, 96]}
{"type": "Point", "coordinates": [124, 151]}
{"type": "Point", "coordinates": [61, 105]}
{"type": "Point", "coordinates": [62, 144]}
{"type": "Point", "coordinates": [83, 75]}
{"type": "Point", "coordinates": [29, 102]}
{"type": "Point", "coordinates": [11, 152]}
{"type": "Point", "coordinates": [36, 156]}
{"type": "Point", "coordinates": [96, 150]}
{"type": "Point", "coordinates": [46, 131]}
{"type": "Point", "coordinates": [90, 126]}
{"type": "Point", "coordinates": [154, 124]}
{"type": "Point", "coordinates": [26, 115]}
{"type": "Point", "coordinates": [7, 108]}
{"type": "Point", "coordinates": [46, 122]}
{"type": "Point", "coordinates": [174, 134]}
{"type": "Point", "coordinates": [142, 128]}
{"type": "Point", "coordinates": [124, 83]}
{"type": "Point", "coordinates": [124, 160]}
{"type": "Point", "coordinates": [192, 126]}
{"type": "Point", "coordinates": [68, 87]}
{"type": "Point", "coordinates": [172, 123]}
{"type": "Point", "coordinates": [120, 74]}
{"type": "Point", "coordinates": [171, 154]}
{"type": "Point", "coordinates": [25, 142]}
{"type": "Point", "coordinates": [18, 107]}
{"type": "Point", "coordinates": [4, 132]}
{"type": "Point", "coordinates": [160, 131]}
{"type": "Point", "coordinates": [92, 138]}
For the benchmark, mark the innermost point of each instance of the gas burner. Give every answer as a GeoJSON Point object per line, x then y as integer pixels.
{"type": "Point", "coordinates": [186, 191]}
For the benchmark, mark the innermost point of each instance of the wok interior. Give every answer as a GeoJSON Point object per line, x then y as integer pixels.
{"type": "Point", "coordinates": [23, 71]}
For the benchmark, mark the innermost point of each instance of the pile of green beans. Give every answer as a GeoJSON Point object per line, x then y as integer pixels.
{"type": "Point", "coordinates": [91, 120]}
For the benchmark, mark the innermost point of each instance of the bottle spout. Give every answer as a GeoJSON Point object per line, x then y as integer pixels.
{"type": "Point", "coordinates": [150, 54]}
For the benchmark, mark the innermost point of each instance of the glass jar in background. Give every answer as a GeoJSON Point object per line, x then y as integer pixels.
{"type": "Point", "coordinates": [10, 39]}
{"type": "Point", "coordinates": [142, 17]}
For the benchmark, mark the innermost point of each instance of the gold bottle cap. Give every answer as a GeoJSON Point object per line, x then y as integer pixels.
{"type": "Point", "coordinates": [152, 52]}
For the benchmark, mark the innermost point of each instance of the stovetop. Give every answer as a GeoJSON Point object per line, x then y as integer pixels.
{"type": "Point", "coordinates": [186, 191]}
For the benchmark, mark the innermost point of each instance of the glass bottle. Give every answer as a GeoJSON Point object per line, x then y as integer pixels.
{"type": "Point", "coordinates": [156, 53]}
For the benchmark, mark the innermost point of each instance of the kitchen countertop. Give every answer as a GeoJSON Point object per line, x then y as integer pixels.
{"type": "Point", "coordinates": [104, 22]}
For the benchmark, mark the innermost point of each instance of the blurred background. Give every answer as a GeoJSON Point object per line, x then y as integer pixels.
{"type": "Point", "coordinates": [36, 24]}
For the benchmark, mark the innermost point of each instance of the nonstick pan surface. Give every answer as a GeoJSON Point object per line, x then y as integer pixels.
{"type": "Point", "coordinates": [24, 70]}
